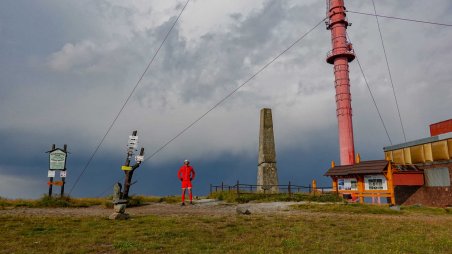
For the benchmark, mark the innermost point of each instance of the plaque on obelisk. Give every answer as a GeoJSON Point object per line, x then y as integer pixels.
{"type": "Point", "coordinates": [267, 175]}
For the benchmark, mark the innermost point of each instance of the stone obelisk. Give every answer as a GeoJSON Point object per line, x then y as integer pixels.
{"type": "Point", "coordinates": [267, 175]}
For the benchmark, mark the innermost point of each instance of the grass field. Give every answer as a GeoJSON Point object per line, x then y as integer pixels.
{"type": "Point", "coordinates": [45, 201]}
{"type": "Point", "coordinates": [309, 229]}
{"type": "Point", "coordinates": [244, 197]}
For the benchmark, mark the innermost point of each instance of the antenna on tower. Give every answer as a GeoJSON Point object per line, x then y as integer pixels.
{"type": "Point", "coordinates": [327, 22]}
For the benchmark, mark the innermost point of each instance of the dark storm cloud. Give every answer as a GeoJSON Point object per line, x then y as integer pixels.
{"type": "Point", "coordinates": [67, 67]}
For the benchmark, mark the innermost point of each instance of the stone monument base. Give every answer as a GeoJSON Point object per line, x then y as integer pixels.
{"type": "Point", "coordinates": [267, 178]}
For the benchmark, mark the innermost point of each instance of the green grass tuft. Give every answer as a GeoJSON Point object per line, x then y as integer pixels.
{"type": "Point", "coordinates": [371, 209]}
{"type": "Point", "coordinates": [66, 201]}
{"type": "Point", "coordinates": [426, 210]}
{"type": "Point", "coordinates": [170, 199]}
{"type": "Point", "coordinates": [347, 208]}
{"type": "Point", "coordinates": [231, 197]}
{"type": "Point", "coordinates": [47, 201]}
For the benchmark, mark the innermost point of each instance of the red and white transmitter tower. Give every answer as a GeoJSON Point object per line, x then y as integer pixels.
{"type": "Point", "coordinates": [341, 54]}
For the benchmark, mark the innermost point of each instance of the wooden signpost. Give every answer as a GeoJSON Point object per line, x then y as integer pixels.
{"type": "Point", "coordinates": [128, 170]}
{"type": "Point", "coordinates": [57, 162]}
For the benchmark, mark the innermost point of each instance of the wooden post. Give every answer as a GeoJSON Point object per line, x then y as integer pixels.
{"type": "Point", "coordinates": [238, 189]}
{"type": "Point", "coordinates": [335, 186]}
{"type": "Point", "coordinates": [51, 178]}
{"type": "Point", "coordinates": [314, 186]}
{"type": "Point", "coordinates": [391, 184]}
{"type": "Point", "coordinates": [63, 179]}
{"type": "Point", "coordinates": [50, 186]}
{"type": "Point", "coordinates": [361, 189]}
{"type": "Point", "coordinates": [210, 189]}
{"type": "Point", "coordinates": [222, 185]}
{"type": "Point", "coordinates": [288, 190]}
{"type": "Point", "coordinates": [129, 173]}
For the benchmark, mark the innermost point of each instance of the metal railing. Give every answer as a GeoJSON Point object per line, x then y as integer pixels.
{"type": "Point", "coordinates": [340, 51]}
{"type": "Point", "coordinates": [241, 188]}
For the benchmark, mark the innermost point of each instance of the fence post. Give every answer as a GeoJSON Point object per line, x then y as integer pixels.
{"type": "Point", "coordinates": [238, 189]}
{"type": "Point", "coordinates": [309, 188]}
{"type": "Point", "coordinates": [289, 190]}
{"type": "Point", "coordinates": [229, 188]}
{"type": "Point", "coordinates": [222, 186]}
{"type": "Point", "coordinates": [210, 189]}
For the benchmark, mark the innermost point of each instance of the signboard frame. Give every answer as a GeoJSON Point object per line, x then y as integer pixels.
{"type": "Point", "coordinates": [57, 163]}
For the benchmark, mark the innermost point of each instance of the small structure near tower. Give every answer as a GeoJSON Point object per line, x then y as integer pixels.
{"type": "Point", "coordinates": [267, 175]}
{"type": "Point", "coordinates": [415, 172]}
{"type": "Point", "coordinates": [424, 166]}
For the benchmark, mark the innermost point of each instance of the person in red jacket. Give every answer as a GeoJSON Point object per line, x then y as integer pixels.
{"type": "Point", "coordinates": [186, 174]}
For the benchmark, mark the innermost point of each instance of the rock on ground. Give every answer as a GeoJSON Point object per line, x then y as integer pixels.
{"type": "Point", "coordinates": [119, 216]}
{"type": "Point", "coordinates": [243, 210]}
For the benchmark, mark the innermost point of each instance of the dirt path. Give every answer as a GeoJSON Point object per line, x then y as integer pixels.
{"type": "Point", "coordinates": [201, 208]}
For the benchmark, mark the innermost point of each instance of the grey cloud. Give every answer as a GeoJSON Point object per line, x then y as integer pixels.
{"type": "Point", "coordinates": [66, 84]}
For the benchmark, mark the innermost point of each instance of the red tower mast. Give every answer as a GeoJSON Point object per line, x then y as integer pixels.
{"type": "Point", "coordinates": [341, 54]}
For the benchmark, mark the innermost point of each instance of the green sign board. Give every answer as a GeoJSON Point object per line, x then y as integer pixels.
{"type": "Point", "coordinates": [57, 160]}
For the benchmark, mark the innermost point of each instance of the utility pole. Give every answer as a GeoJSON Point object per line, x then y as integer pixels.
{"type": "Point", "coordinates": [129, 170]}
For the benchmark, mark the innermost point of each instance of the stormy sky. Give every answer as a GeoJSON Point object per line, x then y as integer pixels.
{"type": "Point", "coordinates": [66, 68]}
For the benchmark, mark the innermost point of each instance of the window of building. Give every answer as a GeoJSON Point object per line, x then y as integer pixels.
{"type": "Point", "coordinates": [347, 184]}
{"type": "Point", "coordinates": [354, 184]}
{"type": "Point", "coordinates": [375, 182]}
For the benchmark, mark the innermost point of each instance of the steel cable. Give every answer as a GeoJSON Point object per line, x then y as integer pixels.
{"type": "Point", "coordinates": [128, 98]}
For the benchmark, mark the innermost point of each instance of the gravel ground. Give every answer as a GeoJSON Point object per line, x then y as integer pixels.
{"type": "Point", "coordinates": [201, 207]}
